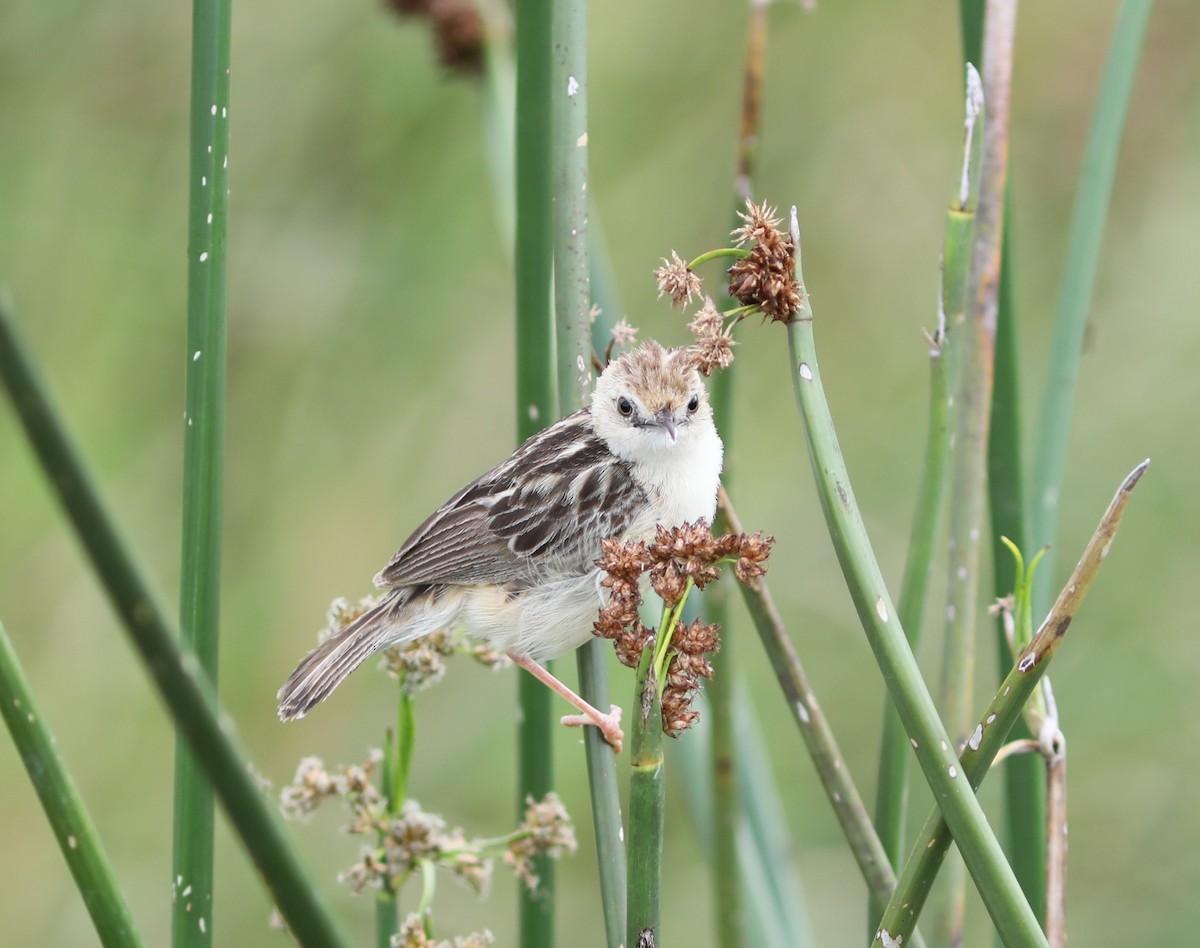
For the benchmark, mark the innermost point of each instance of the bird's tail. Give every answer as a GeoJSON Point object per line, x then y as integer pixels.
{"type": "Point", "coordinates": [330, 662]}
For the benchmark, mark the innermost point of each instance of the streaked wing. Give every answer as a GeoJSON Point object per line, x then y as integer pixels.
{"type": "Point", "coordinates": [544, 510]}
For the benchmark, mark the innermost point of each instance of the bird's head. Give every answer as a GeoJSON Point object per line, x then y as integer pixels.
{"type": "Point", "coordinates": [651, 400]}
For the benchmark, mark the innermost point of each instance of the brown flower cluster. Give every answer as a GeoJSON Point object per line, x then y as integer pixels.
{"type": "Point", "coordinates": [713, 348]}
{"type": "Point", "coordinates": [675, 556]}
{"type": "Point", "coordinates": [676, 280]}
{"type": "Point", "coordinates": [458, 30]}
{"type": "Point", "coordinates": [766, 278]}
{"type": "Point", "coordinates": [690, 646]}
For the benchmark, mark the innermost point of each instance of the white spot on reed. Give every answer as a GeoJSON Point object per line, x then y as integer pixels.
{"type": "Point", "coordinates": [572, 86]}
{"type": "Point", "coordinates": [72, 842]}
{"type": "Point", "coordinates": [802, 712]}
{"type": "Point", "coordinates": [953, 772]}
{"type": "Point", "coordinates": [203, 255]}
{"type": "Point", "coordinates": [976, 738]}
{"type": "Point", "coordinates": [881, 609]}
{"type": "Point", "coordinates": [196, 356]}
{"type": "Point", "coordinates": [581, 142]}
{"type": "Point", "coordinates": [974, 105]}
{"type": "Point", "coordinates": [805, 372]}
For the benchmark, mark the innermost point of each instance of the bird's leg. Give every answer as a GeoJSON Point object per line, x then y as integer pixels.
{"type": "Point", "coordinates": [609, 724]}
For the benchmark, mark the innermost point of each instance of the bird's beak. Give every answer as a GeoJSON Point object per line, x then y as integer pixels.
{"type": "Point", "coordinates": [666, 421]}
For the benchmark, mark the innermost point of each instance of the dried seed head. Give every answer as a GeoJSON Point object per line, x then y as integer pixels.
{"type": "Point", "coordinates": [623, 334]}
{"type": "Point", "coordinates": [419, 664]}
{"type": "Point", "coordinates": [368, 873]}
{"type": "Point", "coordinates": [669, 581]}
{"type": "Point", "coordinates": [752, 557]}
{"type": "Point", "coordinates": [760, 225]}
{"type": "Point", "coordinates": [341, 613]}
{"type": "Point", "coordinates": [458, 30]}
{"type": "Point", "coordinates": [713, 348]}
{"type": "Point", "coordinates": [546, 829]}
{"type": "Point", "coordinates": [314, 784]}
{"type": "Point", "coordinates": [687, 666]}
{"type": "Point", "coordinates": [674, 557]}
{"type": "Point", "coordinates": [624, 561]}
{"type": "Point", "coordinates": [677, 281]}
{"type": "Point", "coordinates": [766, 278]}
{"type": "Point", "coordinates": [412, 935]}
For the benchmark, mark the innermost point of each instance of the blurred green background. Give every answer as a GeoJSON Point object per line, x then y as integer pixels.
{"type": "Point", "coordinates": [370, 369]}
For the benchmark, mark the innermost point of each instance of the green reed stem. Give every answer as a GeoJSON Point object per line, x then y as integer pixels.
{"type": "Point", "coordinates": [1024, 793]}
{"type": "Point", "coordinates": [953, 795]}
{"type": "Point", "coordinates": [203, 448]}
{"type": "Point", "coordinates": [819, 741]}
{"type": "Point", "coordinates": [973, 413]}
{"type": "Point", "coordinates": [1079, 278]}
{"type": "Point", "coordinates": [994, 726]}
{"type": "Point", "coordinates": [537, 403]}
{"type": "Point", "coordinates": [775, 909]}
{"type": "Point", "coordinates": [65, 809]}
{"type": "Point", "coordinates": [944, 359]}
{"type": "Point", "coordinates": [1024, 774]}
{"type": "Point", "coordinates": [573, 260]}
{"type": "Point", "coordinates": [175, 671]}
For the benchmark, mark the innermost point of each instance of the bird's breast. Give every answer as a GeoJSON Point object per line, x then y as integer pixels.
{"type": "Point", "coordinates": [682, 486]}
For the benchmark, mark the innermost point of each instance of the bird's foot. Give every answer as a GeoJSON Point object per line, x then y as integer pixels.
{"type": "Point", "coordinates": [609, 724]}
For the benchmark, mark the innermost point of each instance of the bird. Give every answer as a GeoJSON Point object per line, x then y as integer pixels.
{"type": "Point", "coordinates": [510, 558]}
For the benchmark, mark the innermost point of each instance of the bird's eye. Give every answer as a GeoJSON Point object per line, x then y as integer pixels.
{"type": "Point", "coordinates": [625, 406]}
{"type": "Point", "coordinates": [694, 403]}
